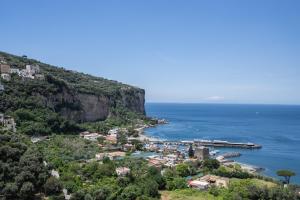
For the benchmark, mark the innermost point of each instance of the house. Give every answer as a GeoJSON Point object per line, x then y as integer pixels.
{"type": "Point", "coordinates": [55, 173]}
{"type": "Point", "coordinates": [122, 171]}
{"type": "Point", "coordinates": [216, 180]}
{"type": "Point", "coordinates": [113, 131]}
{"type": "Point", "coordinates": [5, 69]}
{"type": "Point", "coordinates": [6, 77]}
{"type": "Point", "coordinates": [25, 74]}
{"type": "Point", "coordinates": [128, 147]}
{"type": "Point", "coordinates": [116, 155]}
{"type": "Point", "coordinates": [9, 123]}
{"type": "Point", "coordinates": [112, 155]}
{"type": "Point", "coordinates": [82, 134]}
{"type": "Point", "coordinates": [155, 162]}
{"type": "Point", "coordinates": [201, 185]}
{"type": "Point", "coordinates": [112, 138]}
{"type": "Point", "coordinates": [32, 69]}
{"type": "Point", "coordinates": [39, 77]}
{"type": "Point", "coordinates": [15, 71]}
{"type": "Point", "coordinates": [202, 153]}
{"type": "Point", "coordinates": [92, 136]}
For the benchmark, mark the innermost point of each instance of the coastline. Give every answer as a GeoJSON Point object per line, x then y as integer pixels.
{"type": "Point", "coordinates": [143, 137]}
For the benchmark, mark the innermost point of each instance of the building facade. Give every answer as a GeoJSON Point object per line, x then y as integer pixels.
{"type": "Point", "coordinates": [202, 153]}
{"type": "Point", "coordinates": [5, 69]}
{"type": "Point", "coordinates": [6, 77]}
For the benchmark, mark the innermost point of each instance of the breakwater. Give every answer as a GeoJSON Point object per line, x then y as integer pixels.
{"type": "Point", "coordinates": [208, 143]}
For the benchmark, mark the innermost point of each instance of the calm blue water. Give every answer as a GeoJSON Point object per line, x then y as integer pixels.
{"type": "Point", "coordinates": [276, 127]}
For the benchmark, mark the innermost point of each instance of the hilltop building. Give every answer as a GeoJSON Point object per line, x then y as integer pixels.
{"type": "Point", "coordinates": [8, 123]}
{"type": "Point", "coordinates": [202, 153]}
{"type": "Point", "coordinates": [15, 71]}
{"type": "Point", "coordinates": [5, 69]}
{"type": "Point", "coordinates": [24, 73]}
{"type": "Point", "coordinates": [33, 69]}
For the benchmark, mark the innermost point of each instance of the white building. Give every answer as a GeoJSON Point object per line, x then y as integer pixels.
{"type": "Point", "coordinates": [33, 69]}
{"type": "Point", "coordinates": [24, 73]}
{"type": "Point", "coordinates": [55, 173]}
{"type": "Point", "coordinates": [6, 77]}
{"type": "Point", "coordinates": [122, 171]}
{"type": "Point", "coordinates": [201, 185]}
{"type": "Point", "coordinates": [113, 131]}
{"type": "Point", "coordinates": [15, 71]}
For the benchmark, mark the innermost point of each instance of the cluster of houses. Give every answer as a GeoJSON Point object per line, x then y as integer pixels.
{"type": "Point", "coordinates": [110, 144]}
{"type": "Point", "coordinates": [30, 71]}
{"type": "Point", "coordinates": [110, 138]}
{"type": "Point", "coordinates": [170, 155]}
{"type": "Point", "coordinates": [7, 123]}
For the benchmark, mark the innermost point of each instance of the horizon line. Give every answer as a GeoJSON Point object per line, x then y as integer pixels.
{"type": "Point", "coordinates": [222, 103]}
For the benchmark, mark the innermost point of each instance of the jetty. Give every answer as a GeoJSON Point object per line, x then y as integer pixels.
{"type": "Point", "coordinates": [208, 143]}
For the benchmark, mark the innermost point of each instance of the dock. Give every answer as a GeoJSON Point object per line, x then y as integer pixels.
{"type": "Point", "coordinates": [209, 143]}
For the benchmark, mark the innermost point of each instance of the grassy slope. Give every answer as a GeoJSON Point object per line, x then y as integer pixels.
{"type": "Point", "coordinates": [187, 194]}
{"type": "Point", "coordinates": [193, 194]}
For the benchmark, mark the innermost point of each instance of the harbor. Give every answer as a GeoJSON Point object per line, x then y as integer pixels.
{"type": "Point", "coordinates": [207, 143]}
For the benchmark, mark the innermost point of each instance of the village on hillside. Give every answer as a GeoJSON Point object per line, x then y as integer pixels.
{"type": "Point", "coordinates": [28, 71]}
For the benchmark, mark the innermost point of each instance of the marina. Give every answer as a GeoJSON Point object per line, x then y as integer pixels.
{"type": "Point", "coordinates": [208, 143]}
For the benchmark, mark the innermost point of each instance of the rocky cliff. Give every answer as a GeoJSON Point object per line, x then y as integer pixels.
{"type": "Point", "coordinates": [75, 96]}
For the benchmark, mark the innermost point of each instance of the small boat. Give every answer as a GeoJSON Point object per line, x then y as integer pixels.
{"type": "Point", "coordinates": [214, 152]}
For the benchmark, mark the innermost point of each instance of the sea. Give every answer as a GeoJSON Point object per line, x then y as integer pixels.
{"type": "Point", "coordinates": [275, 127]}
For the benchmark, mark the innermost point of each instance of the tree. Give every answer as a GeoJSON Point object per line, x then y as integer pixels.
{"type": "Point", "coordinates": [88, 197]}
{"type": "Point", "coordinates": [182, 170]}
{"type": "Point", "coordinates": [130, 193]}
{"type": "Point", "coordinates": [102, 193]}
{"type": "Point", "coordinates": [176, 183]}
{"type": "Point", "coordinates": [211, 164]}
{"type": "Point", "coordinates": [122, 139]}
{"type": "Point", "coordinates": [52, 186]}
{"type": "Point", "coordinates": [191, 151]}
{"type": "Point", "coordinates": [27, 190]}
{"type": "Point", "coordinates": [287, 174]}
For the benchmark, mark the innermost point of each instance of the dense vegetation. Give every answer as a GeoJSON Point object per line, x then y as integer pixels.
{"type": "Point", "coordinates": [22, 172]}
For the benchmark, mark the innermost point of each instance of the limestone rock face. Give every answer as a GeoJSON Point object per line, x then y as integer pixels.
{"type": "Point", "coordinates": [81, 107]}
{"type": "Point", "coordinates": [93, 107]}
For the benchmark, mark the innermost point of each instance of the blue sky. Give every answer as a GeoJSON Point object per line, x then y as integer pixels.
{"type": "Point", "coordinates": [242, 51]}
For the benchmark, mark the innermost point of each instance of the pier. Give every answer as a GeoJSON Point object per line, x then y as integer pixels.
{"type": "Point", "coordinates": [209, 143]}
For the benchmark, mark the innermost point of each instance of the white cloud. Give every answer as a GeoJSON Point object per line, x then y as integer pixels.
{"type": "Point", "coordinates": [215, 98]}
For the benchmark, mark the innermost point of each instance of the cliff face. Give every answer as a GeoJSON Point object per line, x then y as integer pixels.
{"type": "Point", "coordinates": [81, 107]}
